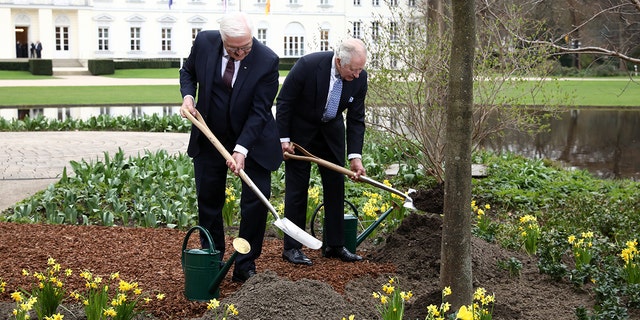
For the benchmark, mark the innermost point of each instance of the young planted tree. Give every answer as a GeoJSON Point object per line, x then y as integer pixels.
{"type": "Point", "coordinates": [455, 269]}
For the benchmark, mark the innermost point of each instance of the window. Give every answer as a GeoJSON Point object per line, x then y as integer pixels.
{"type": "Point", "coordinates": [324, 40]}
{"type": "Point", "coordinates": [262, 35]}
{"type": "Point", "coordinates": [62, 38]}
{"type": "Point", "coordinates": [293, 1]}
{"type": "Point", "coordinates": [167, 111]}
{"type": "Point", "coordinates": [294, 40]}
{"type": "Point", "coordinates": [194, 33]}
{"type": "Point", "coordinates": [293, 46]}
{"type": "Point", "coordinates": [412, 29]}
{"type": "Point", "coordinates": [135, 39]}
{"type": "Point", "coordinates": [357, 29]}
{"type": "Point", "coordinates": [261, 1]}
{"type": "Point", "coordinates": [412, 3]}
{"type": "Point", "coordinates": [375, 30]}
{"type": "Point", "coordinates": [105, 110]}
{"type": "Point", "coordinates": [393, 31]}
{"type": "Point", "coordinates": [166, 39]}
{"type": "Point", "coordinates": [393, 3]}
{"type": "Point", "coordinates": [324, 2]}
{"type": "Point", "coordinates": [375, 3]}
{"type": "Point", "coordinates": [356, 2]}
{"type": "Point", "coordinates": [103, 39]}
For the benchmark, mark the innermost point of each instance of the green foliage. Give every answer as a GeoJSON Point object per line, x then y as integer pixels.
{"type": "Point", "coordinates": [587, 225]}
{"type": "Point", "coordinates": [100, 67]}
{"type": "Point", "coordinates": [103, 122]}
{"type": "Point", "coordinates": [150, 190]}
{"type": "Point", "coordinates": [512, 265]}
{"type": "Point", "coordinates": [42, 67]}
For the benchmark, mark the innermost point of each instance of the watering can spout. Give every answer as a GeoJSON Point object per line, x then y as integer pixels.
{"type": "Point", "coordinates": [241, 246]}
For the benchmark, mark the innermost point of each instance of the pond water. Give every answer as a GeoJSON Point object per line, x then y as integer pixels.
{"type": "Point", "coordinates": [606, 142]}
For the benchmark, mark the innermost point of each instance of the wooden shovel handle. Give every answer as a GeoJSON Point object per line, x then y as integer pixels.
{"type": "Point", "coordinates": [310, 157]}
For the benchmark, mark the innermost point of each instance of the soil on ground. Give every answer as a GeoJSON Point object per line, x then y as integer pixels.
{"type": "Point", "coordinates": [329, 289]}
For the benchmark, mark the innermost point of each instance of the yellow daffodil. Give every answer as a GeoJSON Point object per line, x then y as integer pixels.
{"type": "Point", "coordinates": [464, 314]}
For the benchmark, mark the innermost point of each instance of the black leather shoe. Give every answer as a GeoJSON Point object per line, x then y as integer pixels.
{"type": "Point", "coordinates": [242, 275]}
{"type": "Point", "coordinates": [342, 253]}
{"type": "Point", "coordinates": [296, 256]}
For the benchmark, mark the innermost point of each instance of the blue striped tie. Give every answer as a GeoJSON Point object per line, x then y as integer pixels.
{"type": "Point", "coordinates": [333, 101]}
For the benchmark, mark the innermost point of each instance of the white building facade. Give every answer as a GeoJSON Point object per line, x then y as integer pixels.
{"type": "Point", "coordinates": [150, 29]}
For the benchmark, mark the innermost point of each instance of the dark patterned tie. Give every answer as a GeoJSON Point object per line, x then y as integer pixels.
{"type": "Point", "coordinates": [333, 101]}
{"type": "Point", "coordinates": [227, 77]}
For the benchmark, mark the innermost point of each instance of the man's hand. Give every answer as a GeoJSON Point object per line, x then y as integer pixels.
{"type": "Point", "coordinates": [287, 147]}
{"type": "Point", "coordinates": [187, 106]}
{"type": "Point", "coordinates": [239, 165]}
{"type": "Point", "coordinates": [357, 168]}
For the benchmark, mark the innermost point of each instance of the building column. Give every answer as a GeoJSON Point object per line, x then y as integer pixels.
{"type": "Point", "coordinates": [46, 33]}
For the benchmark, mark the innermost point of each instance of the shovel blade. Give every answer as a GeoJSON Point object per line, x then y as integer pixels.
{"type": "Point", "coordinates": [295, 232]}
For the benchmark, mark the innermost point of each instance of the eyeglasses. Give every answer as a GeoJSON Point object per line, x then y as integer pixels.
{"type": "Point", "coordinates": [236, 50]}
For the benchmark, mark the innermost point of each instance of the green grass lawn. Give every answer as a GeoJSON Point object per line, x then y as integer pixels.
{"type": "Point", "coordinates": [598, 92]}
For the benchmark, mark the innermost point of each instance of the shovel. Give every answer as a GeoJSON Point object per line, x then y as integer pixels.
{"type": "Point", "coordinates": [408, 202]}
{"type": "Point", "coordinates": [284, 224]}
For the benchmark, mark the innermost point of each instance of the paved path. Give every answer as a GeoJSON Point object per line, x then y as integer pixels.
{"type": "Point", "coordinates": [30, 161]}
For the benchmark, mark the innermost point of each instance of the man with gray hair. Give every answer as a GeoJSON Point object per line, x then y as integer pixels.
{"type": "Point", "coordinates": [235, 80]}
{"type": "Point", "coordinates": [309, 112]}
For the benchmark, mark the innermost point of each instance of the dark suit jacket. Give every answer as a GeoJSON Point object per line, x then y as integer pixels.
{"type": "Point", "coordinates": [250, 121]}
{"type": "Point", "coordinates": [302, 100]}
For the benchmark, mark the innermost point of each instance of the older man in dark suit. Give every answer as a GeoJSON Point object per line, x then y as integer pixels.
{"type": "Point", "coordinates": [307, 115]}
{"type": "Point", "coordinates": [236, 79]}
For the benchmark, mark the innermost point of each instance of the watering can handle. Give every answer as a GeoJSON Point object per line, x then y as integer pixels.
{"type": "Point", "coordinates": [186, 240]}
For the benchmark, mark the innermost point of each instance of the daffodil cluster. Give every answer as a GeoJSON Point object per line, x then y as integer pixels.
{"type": "Point", "coordinates": [100, 302]}
{"type": "Point", "coordinates": [483, 223]}
{"type": "Point", "coordinates": [48, 291]}
{"type": "Point", "coordinates": [582, 248]}
{"type": "Point", "coordinates": [631, 269]}
{"type": "Point", "coordinates": [529, 233]}
{"type": "Point", "coordinates": [481, 309]}
{"type": "Point", "coordinates": [313, 201]}
{"type": "Point", "coordinates": [438, 313]}
{"type": "Point", "coordinates": [3, 285]}
{"type": "Point", "coordinates": [228, 310]}
{"type": "Point", "coordinates": [391, 300]}
{"type": "Point", "coordinates": [23, 305]}
{"type": "Point", "coordinates": [483, 305]}
{"type": "Point", "coordinates": [230, 205]}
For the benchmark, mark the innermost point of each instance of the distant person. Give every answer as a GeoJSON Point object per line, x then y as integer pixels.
{"type": "Point", "coordinates": [33, 50]}
{"type": "Point", "coordinates": [306, 115]}
{"type": "Point", "coordinates": [18, 50]}
{"type": "Point", "coordinates": [38, 49]}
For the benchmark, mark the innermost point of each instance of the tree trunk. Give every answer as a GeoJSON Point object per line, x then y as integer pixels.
{"type": "Point", "coordinates": [455, 269]}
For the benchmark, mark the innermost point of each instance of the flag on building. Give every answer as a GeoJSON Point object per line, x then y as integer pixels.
{"type": "Point", "coordinates": [267, 7]}
{"type": "Point", "coordinates": [224, 3]}
{"type": "Point", "coordinates": [170, 3]}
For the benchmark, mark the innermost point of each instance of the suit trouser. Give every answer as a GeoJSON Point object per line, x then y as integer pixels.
{"type": "Point", "coordinates": [296, 197]}
{"type": "Point", "coordinates": [211, 175]}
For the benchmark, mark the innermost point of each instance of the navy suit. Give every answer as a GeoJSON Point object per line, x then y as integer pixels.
{"type": "Point", "coordinates": [299, 108]}
{"type": "Point", "coordinates": [242, 116]}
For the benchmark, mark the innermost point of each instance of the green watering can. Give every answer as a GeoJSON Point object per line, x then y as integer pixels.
{"type": "Point", "coordinates": [203, 271]}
